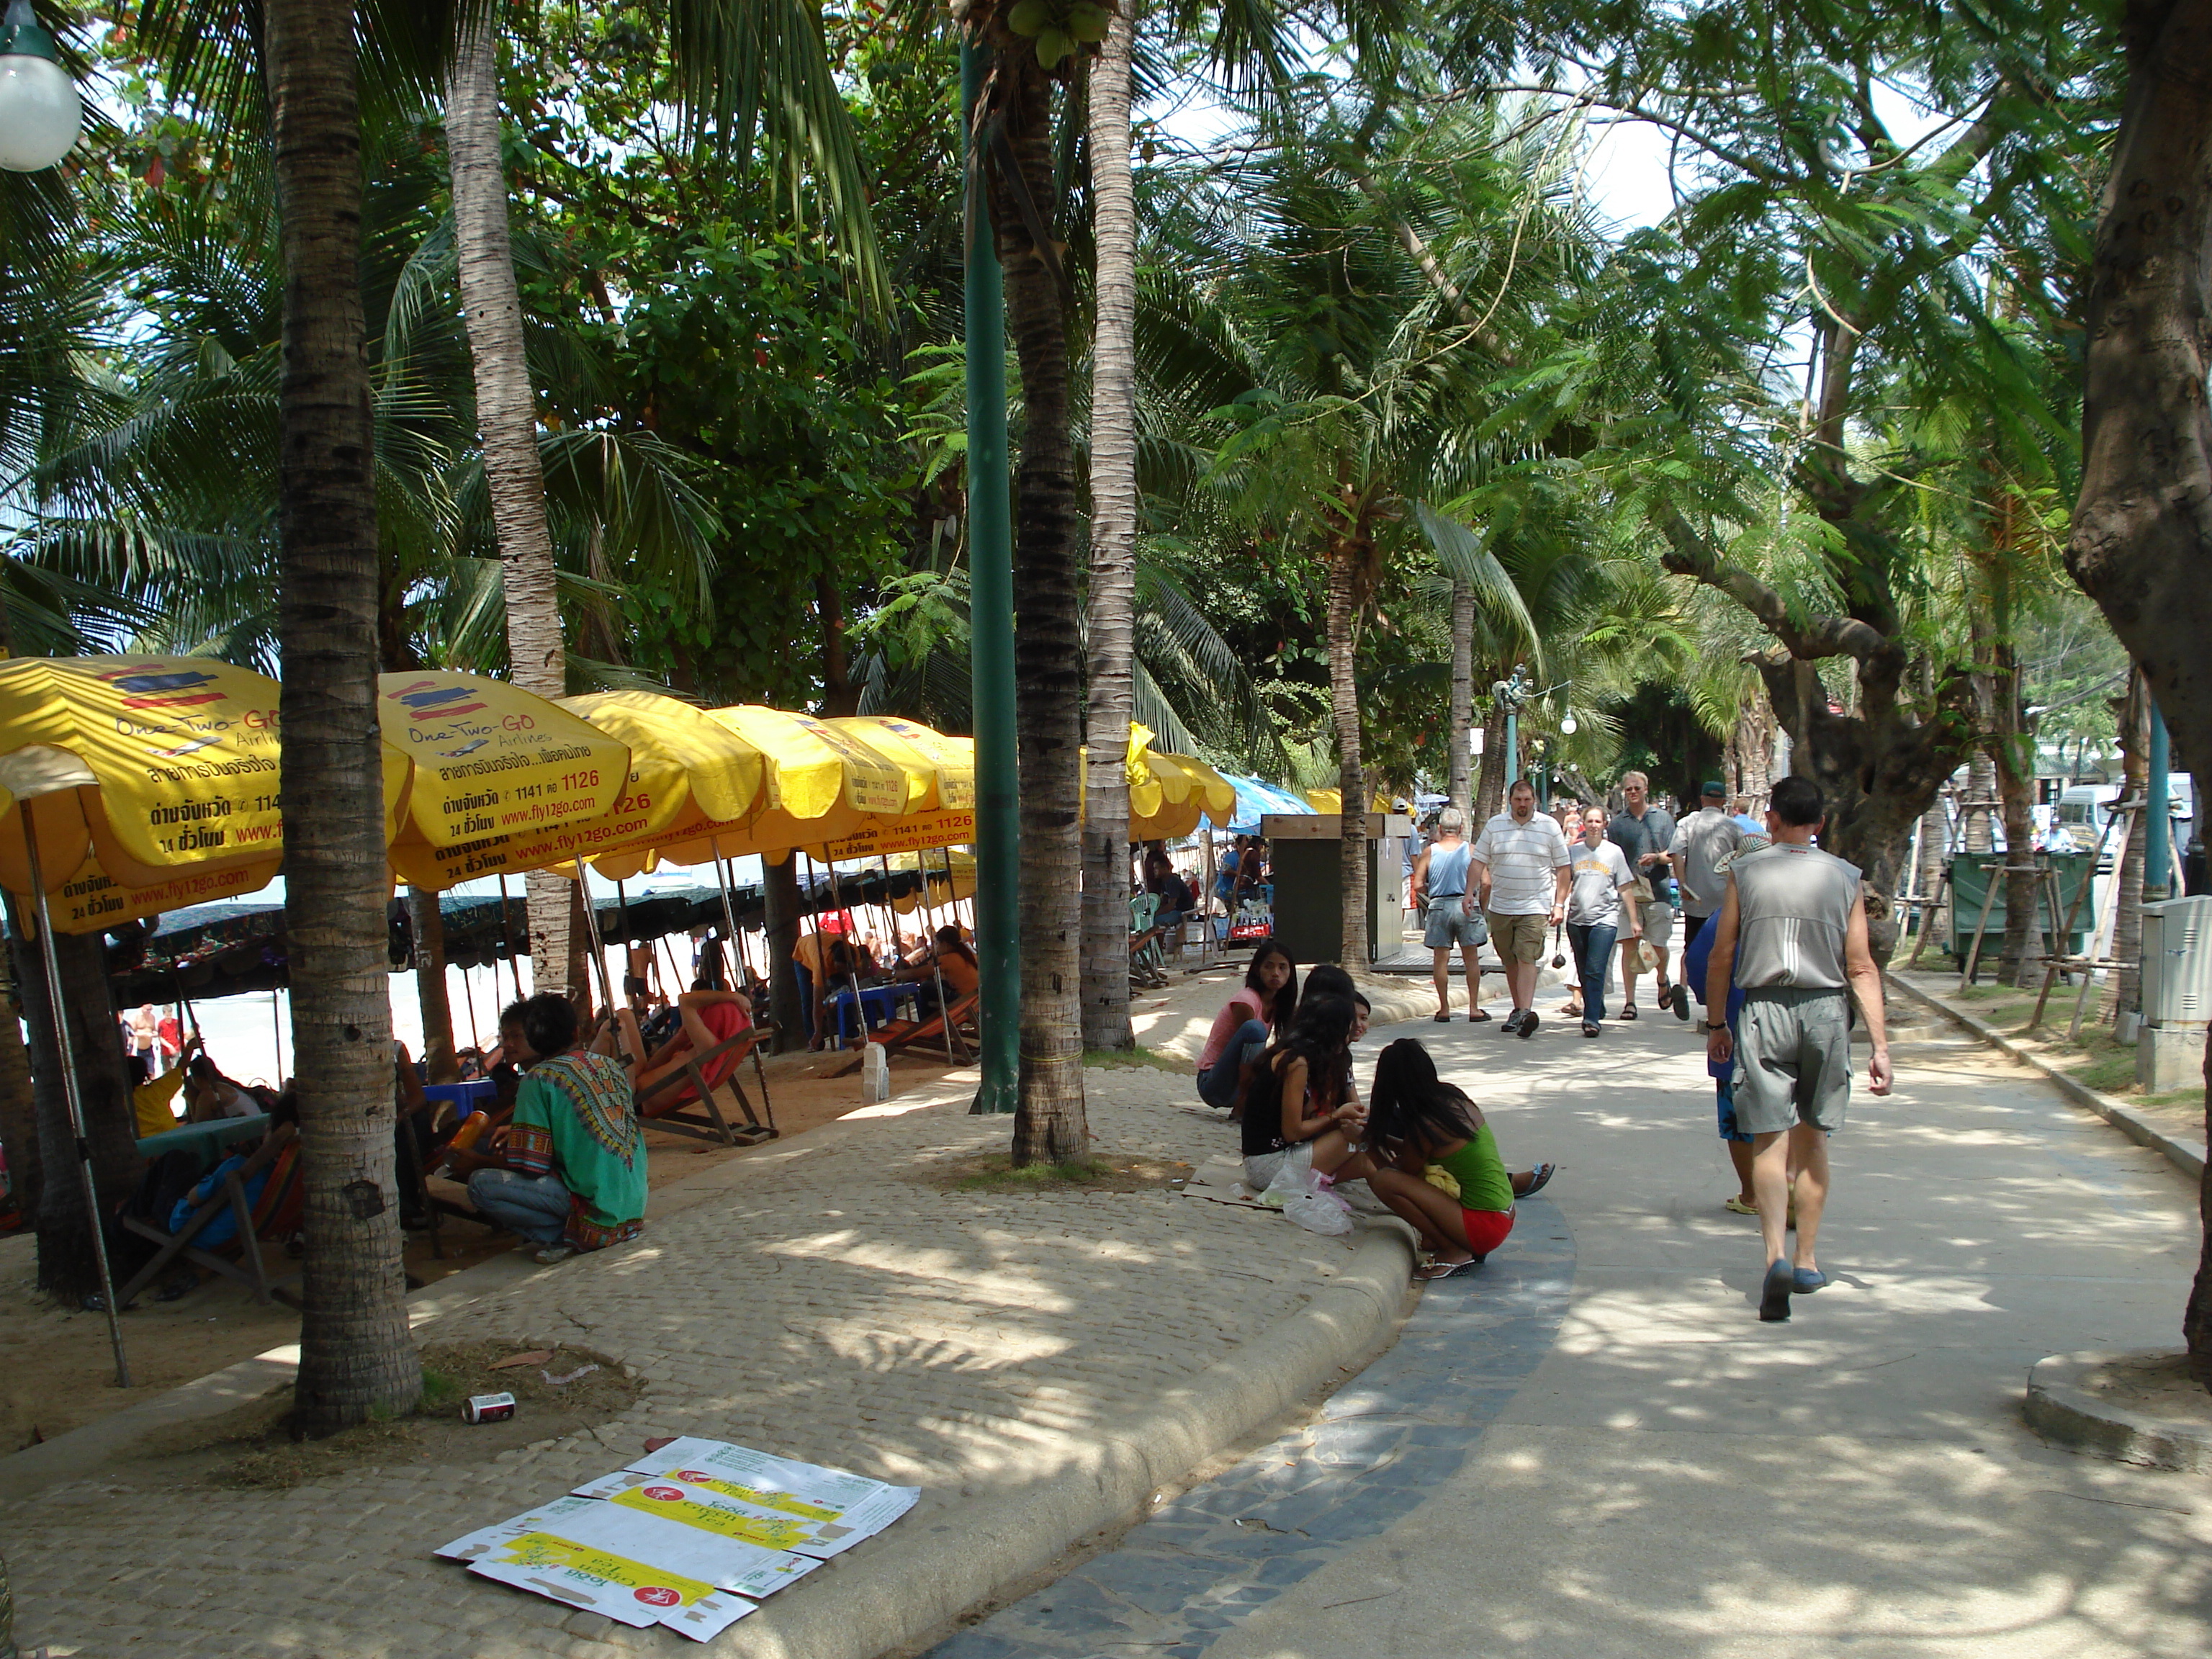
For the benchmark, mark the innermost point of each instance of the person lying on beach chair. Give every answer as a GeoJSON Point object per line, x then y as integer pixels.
{"type": "Point", "coordinates": [718, 1033]}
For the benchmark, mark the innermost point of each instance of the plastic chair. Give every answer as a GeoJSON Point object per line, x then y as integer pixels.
{"type": "Point", "coordinates": [1147, 962]}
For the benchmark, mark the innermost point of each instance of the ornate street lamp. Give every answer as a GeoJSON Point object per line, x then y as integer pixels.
{"type": "Point", "coordinates": [40, 114]}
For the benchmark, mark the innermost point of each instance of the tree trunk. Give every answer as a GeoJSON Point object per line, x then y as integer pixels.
{"type": "Point", "coordinates": [428, 923]}
{"type": "Point", "coordinates": [356, 1356]}
{"type": "Point", "coordinates": [2012, 752]}
{"type": "Point", "coordinates": [1351, 774]}
{"type": "Point", "coordinates": [1048, 1121]}
{"type": "Point", "coordinates": [1490, 776]}
{"type": "Point", "coordinates": [2141, 539]}
{"type": "Point", "coordinates": [1111, 630]}
{"type": "Point", "coordinates": [1462, 692]}
{"type": "Point", "coordinates": [1751, 749]}
{"type": "Point", "coordinates": [2127, 900]}
{"type": "Point", "coordinates": [1981, 797]}
{"type": "Point", "coordinates": [1878, 772]}
{"type": "Point", "coordinates": [19, 1112]}
{"type": "Point", "coordinates": [67, 1267]}
{"type": "Point", "coordinates": [507, 419]}
{"type": "Point", "coordinates": [779, 900]}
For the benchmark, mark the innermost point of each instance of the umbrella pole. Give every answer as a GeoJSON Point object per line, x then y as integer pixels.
{"type": "Point", "coordinates": [75, 1102]}
{"type": "Point", "coordinates": [729, 914]}
{"type": "Point", "coordinates": [276, 1031]}
{"type": "Point", "coordinates": [469, 998]}
{"type": "Point", "coordinates": [507, 939]}
{"type": "Point", "coordinates": [929, 938]}
{"type": "Point", "coordinates": [852, 956]}
{"type": "Point", "coordinates": [598, 950]}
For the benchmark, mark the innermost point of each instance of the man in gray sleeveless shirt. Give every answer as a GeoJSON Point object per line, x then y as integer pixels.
{"type": "Point", "coordinates": [1446, 901]}
{"type": "Point", "coordinates": [1791, 934]}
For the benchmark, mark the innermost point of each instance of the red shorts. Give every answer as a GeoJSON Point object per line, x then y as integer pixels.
{"type": "Point", "coordinates": [1486, 1229]}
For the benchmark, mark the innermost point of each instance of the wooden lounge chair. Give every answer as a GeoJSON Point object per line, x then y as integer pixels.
{"type": "Point", "coordinates": [273, 1215]}
{"type": "Point", "coordinates": [915, 1036]}
{"type": "Point", "coordinates": [665, 1104]}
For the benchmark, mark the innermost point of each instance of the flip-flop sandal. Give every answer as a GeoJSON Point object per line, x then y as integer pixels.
{"type": "Point", "coordinates": [1478, 1016]}
{"type": "Point", "coordinates": [1443, 1019]}
{"type": "Point", "coordinates": [1437, 1270]}
{"type": "Point", "coordinates": [1543, 1172]}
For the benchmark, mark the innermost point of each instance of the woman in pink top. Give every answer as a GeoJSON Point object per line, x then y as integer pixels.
{"type": "Point", "coordinates": [1241, 1029]}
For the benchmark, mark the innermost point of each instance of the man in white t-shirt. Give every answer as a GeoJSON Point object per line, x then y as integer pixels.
{"type": "Point", "coordinates": [1601, 908]}
{"type": "Point", "coordinates": [1521, 865]}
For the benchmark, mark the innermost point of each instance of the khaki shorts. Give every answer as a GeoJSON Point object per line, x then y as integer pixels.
{"type": "Point", "coordinates": [1518, 938]}
{"type": "Point", "coordinates": [1793, 1060]}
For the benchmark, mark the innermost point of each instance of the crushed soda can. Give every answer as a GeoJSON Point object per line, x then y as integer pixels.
{"type": "Point", "coordinates": [487, 1408]}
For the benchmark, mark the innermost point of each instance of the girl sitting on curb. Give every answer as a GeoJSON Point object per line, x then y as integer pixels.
{"type": "Point", "coordinates": [1415, 1119]}
{"type": "Point", "coordinates": [1301, 1111]}
{"type": "Point", "coordinates": [1261, 1008]}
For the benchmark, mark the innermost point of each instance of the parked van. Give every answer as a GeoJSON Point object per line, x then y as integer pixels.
{"type": "Point", "coordinates": [2084, 810]}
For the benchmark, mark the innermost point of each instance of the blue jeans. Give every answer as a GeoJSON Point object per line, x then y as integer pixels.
{"type": "Point", "coordinates": [1593, 948]}
{"type": "Point", "coordinates": [1217, 1084]}
{"type": "Point", "coordinates": [535, 1207]}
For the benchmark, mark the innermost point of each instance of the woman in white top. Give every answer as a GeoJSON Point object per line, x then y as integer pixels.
{"type": "Point", "coordinates": [1599, 906]}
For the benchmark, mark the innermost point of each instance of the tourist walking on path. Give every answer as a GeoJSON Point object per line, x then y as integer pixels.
{"type": "Point", "coordinates": [1643, 833]}
{"type": "Point", "coordinates": [1702, 842]}
{"type": "Point", "coordinates": [1521, 865]}
{"type": "Point", "coordinates": [1416, 1122]}
{"type": "Point", "coordinates": [1600, 908]}
{"type": "Point", "coordinates": [1445, 898]}
{"type": "Point", "coordinates": [1240, 1030]}
{"type": "Point", "coordinates": [1792, 934]}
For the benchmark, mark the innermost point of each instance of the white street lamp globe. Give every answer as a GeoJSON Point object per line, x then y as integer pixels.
{"type": "Point", "coordinates": [40, 114]}
{"type": "Point", "coordinates": [1567, 726]}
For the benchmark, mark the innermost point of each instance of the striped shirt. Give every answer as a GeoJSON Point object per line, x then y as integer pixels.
{"type": "Point", "coordinates": [1521, 858]}
{"type": "Point", "coordinates": [1793, 909]}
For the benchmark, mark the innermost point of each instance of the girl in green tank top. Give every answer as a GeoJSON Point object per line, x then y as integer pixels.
{"type": "Point", "coordinates": [1416, 1120]}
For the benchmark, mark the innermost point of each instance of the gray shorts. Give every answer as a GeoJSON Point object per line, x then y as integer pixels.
{"type": "Point", "coordinates": [1447, 925]}
{"type": "Point", "coordinates": [1658, 921]}
{"type": "Point", "coordinates": [1793, 1060]}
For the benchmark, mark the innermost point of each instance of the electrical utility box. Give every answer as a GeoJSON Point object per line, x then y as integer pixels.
{"type": "Point", "coordinates": [2177, 994]}
{"type": "Point", "coordinates": [1305, 855]}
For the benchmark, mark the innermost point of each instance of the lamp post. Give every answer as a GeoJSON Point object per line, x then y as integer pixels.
{"type": "Point", "coordinates": [40, 114]}
{"type": "Point", "coordinates": [1513, 695]}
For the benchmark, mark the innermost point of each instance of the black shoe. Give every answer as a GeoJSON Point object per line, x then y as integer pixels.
{"type": "Point", "coordinates": [1682, 1002]}
{"type": "Point", "coordinates": [1512, 1026]}
{"type": "Point", "coordinates": [1589, 1028]}
{"type": "Point", "coordinates": [1528, 1023]}
{"type": "Point", "coordinates": [1774, 1294]}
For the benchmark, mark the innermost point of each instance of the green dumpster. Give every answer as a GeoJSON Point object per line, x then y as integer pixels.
{"type": "Point", "coordinates": [1969, 884]}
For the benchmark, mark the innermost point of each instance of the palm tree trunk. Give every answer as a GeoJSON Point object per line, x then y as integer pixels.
{"type": "Point", "coordinates": [1113, 547]}
{"type": "Point", "coordinates": [2012, 751]}
{"type": "Point", "coordinates": [1462, 690]}
{"type": "Point", "coordinates": [507, 418]}
{"type": "Point", "coordinates": [67, 1266]}
{"type": "Point", "coordinates": [19, 1112]}
{"type": "Point", "coordinates": [1490, 777]}
{"type": "Point", "coordinates": [356, 1356]}
{"type": "Point", "coordinates": [1981, 798]}
{"type": "Point", "coordinates": [1048, 1120]}
{"type": "Point", "coordinates": [1351, 774]}
{"type": "Point", "coordinates": [427, 921]}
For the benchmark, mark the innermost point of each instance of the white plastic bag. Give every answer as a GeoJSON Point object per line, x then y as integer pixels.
{"type": "Point", "coordinates": [1309, 1199]}
{"type": "Point", "coordinates": [875, 1074]}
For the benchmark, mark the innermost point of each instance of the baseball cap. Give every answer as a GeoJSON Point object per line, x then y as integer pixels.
{"type": "Point", "coordinates": [1713, 787]}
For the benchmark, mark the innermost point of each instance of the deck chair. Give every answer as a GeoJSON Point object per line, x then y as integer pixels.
{"type": "Point", "coordinates": [1147, 962]}
{"type": "Point", "coordinates": [925, 1039]}
{"type": "Point", "coordinates": [273, 1215]}
{"type": "Point", "coordinates": [668, 1103]}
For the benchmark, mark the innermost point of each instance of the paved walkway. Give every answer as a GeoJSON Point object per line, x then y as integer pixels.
{"type": "Point", "coordinates": [1630, 1464]}
{"type": "Point", "coordinates": [821, 1300]}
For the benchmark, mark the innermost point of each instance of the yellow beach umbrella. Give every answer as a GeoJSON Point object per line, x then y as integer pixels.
{"type": "Point", "coordinates": [92, 901]}
{"type": "Point", "coordinates": [819, 784]}
{"type": "Point", "coordinates": [1201, 792]}
{"type": "Point", "coordinates": [488, 759]}
{"type": "Point", "coordinates": [150, 766]}
{"type": "Point", "coordinates": [939, 813]}
{"type": "Point", "coordinates": [679, 759]}
{"type": "Point", "coordinates": [1331, 801]}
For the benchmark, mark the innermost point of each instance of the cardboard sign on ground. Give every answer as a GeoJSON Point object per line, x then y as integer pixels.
{"type": "Point", "coordinates": [839, 1508]}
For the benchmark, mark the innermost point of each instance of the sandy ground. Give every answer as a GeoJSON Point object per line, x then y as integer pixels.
{"type": "Point", "coordinates": [58, 1371]}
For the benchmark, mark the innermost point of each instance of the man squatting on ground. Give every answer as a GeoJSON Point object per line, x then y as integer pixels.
{"type": "Point", "coordinates": [1522, 868]}
{"type": "Point", "coordinates": [1792, 935]}
{"type": "Point", "coordinates": [1445, 899]}
{"type": "Point", "coordinates": [1643, 833]}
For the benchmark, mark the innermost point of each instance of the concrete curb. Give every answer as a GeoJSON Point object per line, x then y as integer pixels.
{"type": "Point", "coordinates": [2118, 1113]}
{"type": "Point", "coordinates": [906, 1585]}
{"type": "Point", "coordinates": [2061, 1408]}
